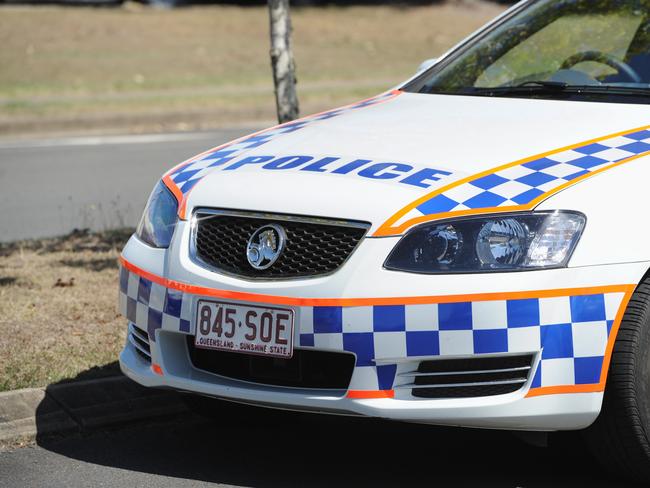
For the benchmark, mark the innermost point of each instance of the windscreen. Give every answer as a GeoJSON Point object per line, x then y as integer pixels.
{"type": "Point", "coordinates": [553, 48]}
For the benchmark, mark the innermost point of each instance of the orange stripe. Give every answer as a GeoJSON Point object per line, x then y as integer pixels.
{"type": "Point", "coordinates": [557, 390]}
{"type": "Point", "coordinates": [366, 394]}
{"type": "Point", "coordinates": [157, 369]}
{"type": "Point", "coordinates": [357, 302]}
{"type": "Point", "coordinates": [169, 183]}
{"type": "Point", "coordinates": [182, 199]}
{"type": "Point", "coordinates": [387, 227]}
{"type": "Point", "coordinates": [183, 206]}
{"type": "Point", "coordinates": [595, 387]}
{"type": "Point", "coordinates": [612, 338]}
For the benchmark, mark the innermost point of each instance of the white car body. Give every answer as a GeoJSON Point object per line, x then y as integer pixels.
{"type": "Point", "coordinates": [436, 146]}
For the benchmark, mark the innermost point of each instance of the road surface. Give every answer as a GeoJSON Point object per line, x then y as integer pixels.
{"type": "Point", "coordinates": [50, 187]}
{"type": "Point", "coordinates": [266, 448]}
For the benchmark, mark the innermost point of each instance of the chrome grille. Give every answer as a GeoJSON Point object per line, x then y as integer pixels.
{"type": "Point", "coordinates": [314, 246]}
{"type": "Point", "coordinates": [467, 378]}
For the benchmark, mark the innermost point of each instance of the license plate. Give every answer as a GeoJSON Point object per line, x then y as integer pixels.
{"type": "Point", "coordinates": [243, 328]}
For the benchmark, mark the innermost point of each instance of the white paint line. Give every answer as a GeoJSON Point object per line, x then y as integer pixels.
{"type": "Point", "coordinates": [108, 140]}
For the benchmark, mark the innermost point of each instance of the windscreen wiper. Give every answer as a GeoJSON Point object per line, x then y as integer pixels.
{"type": "Point", "coordinates": [558, 87]}
{"type": "Point", "coordinates": [609, 90]}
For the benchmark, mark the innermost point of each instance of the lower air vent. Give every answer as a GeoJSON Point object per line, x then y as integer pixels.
{"type": "Point", "coordinates": [467, 378]}
{"type": "Point", "coordinates": [306, 369]}
{"type": "Point", "coordinates": [139, 339]}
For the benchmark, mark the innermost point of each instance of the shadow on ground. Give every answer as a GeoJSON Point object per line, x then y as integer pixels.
{"type": "Point", "coordinates": [248, 446]}
{"type": "Point", "coordinates": [104, 371]}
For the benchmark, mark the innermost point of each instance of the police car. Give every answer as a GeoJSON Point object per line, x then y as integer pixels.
{"type": "Point", "coordinates": [470, 249]}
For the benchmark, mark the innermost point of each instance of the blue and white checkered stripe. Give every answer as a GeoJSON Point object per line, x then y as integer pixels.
{"type": "Point", "coordinates": [151, 306]}
{"type": "Point", "coordinates": [571, 332]}
{"type": "Point", "coordinates": [520, 184]}
{"type": "Point", "coordinates": [185, 177]}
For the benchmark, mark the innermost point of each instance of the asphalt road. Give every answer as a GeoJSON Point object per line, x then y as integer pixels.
{"type": "Point", "coordinates": [50, 187]}
{"type": "Point", "coordinates": [266, 448]}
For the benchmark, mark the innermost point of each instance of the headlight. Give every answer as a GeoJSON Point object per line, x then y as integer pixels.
{"type": "Point", "coordinates": [159, 219]}
{"type": "Point", "coordinates": [508, 242]}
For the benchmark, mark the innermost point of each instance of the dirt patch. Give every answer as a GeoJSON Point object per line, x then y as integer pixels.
{"type": "Point", "coordinates": [51, 332]}
{"type": "Point", "coordinates": [139, 69]}
{"type": "Point", "coordinates": [78, 240]}
{"type": "Point", "coordinates": [7, 280]}
{"type": "Point", "coordinates": [17, 443]}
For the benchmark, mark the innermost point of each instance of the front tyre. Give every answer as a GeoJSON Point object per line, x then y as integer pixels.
{"type": "Point", "coordinates": [620, 436]}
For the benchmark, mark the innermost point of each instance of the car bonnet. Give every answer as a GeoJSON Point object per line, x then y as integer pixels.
{"type": "Point", "coordinates": [399, 159]}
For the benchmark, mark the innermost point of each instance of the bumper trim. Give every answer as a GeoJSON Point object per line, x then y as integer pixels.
{"type": "Point", "coordinates": [360, 302]}
{"type": "Point", "coordinates": [366, 394]}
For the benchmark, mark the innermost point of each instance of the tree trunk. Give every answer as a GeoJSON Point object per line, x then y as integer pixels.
{"type": "Point", "coordinates": [284, 69]}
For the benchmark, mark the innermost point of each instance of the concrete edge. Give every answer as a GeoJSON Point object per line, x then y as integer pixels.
{"type": "Point", "coordinates": [81, 406]}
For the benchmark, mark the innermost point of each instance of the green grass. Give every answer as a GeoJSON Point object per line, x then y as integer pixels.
{"type": "Point", "coordinates": [51, 333]}
{"type": "Point", "coordinates": [74, 65]}
{"type": "Point", "coordinates": [135, 68]}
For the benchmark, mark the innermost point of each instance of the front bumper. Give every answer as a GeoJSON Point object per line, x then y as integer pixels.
{"type": "Point", "coordinates": [391, 321]}
{"type": "Point", "coordinates": [513, 411]}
